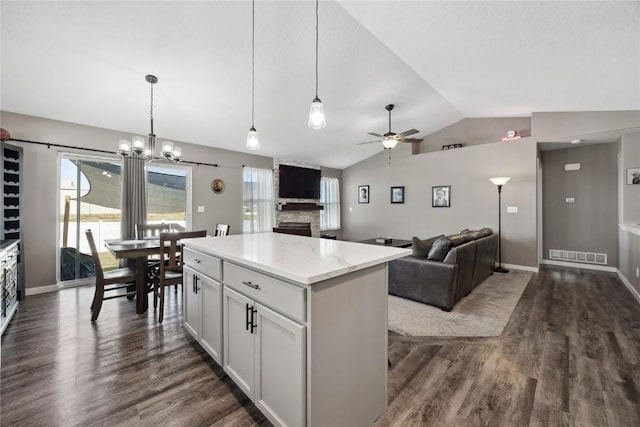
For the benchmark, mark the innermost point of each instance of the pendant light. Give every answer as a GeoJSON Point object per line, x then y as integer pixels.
{"type": "Point", "coordinates": [317, 119]}
{"type": "Point", "coordinates": [253, 143]}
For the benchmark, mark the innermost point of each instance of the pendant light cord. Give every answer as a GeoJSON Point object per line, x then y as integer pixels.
{"type": "Point", "coordinates": [253, 58]}
{"type": "Point", "coordinates": [151, 109]}
{"type": "Point", "coordinates": [316, 48]}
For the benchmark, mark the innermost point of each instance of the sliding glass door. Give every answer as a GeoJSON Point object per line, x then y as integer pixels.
{"type": "Point", "coordinates": [89, 198]}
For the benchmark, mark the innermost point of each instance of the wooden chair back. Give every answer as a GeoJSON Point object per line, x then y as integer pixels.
{"type": "Point", "coordinates": [221, 230]}
{"type": "Point", "coordinates": [170, 269]}
{"type": "Point", "coordinates": [150, 231]}
{"type": "Point", "coordinates": [114, 280]}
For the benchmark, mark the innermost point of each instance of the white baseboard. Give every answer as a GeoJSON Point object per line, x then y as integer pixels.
{"type": "Point", "coordinates": [41, 290]}
{"type": "Point", "coordinates": [520, 267]}
{"type": "Point", "coordinates": [627, 283]}
{"type": "Point", "coordinates": [579, 265]}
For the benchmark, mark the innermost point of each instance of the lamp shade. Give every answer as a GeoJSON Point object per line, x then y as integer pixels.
{"type": "Point", "coordinates": [253, 143]}
{"type": "Point", "coordinates": [500, 180]}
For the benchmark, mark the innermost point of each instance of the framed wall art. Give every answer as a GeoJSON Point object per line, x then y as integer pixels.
{"type": "Point", "coordinates": [363, 194]}
{"type": "Point", "coordinates": [397, 194]}
{"type": "Point", "coordinates": [633, 176]}
{"type": "Point", "coordinates": [441, 196]}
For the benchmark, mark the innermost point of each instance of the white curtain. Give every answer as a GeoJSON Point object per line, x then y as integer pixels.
{"type": "Point", "coordinates": [330, 199]}
{"type": "Point", "coordinates": [258, 203]}
{"type": "Point", "coordinates": [134, 197]}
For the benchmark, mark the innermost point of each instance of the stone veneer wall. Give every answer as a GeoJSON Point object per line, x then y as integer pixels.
{"type": "Point", "coordinates": [294, 216]}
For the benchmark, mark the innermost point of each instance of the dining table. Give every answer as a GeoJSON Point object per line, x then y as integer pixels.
{"type": "Point", "coordinates": [136, 251]}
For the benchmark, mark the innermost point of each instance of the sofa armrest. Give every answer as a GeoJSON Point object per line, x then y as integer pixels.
{"type": "Point", "coordinates": [430, 282]}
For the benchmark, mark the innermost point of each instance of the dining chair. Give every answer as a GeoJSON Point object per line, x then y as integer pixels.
{"type": "Point", "coordinates": [170, 270]}
{"type": "Point", "coordinates": [221, 230]}
{"type": "Point", "coordinates": [151, 231]}
{"type": "Point", "coordinates": [108, 281]}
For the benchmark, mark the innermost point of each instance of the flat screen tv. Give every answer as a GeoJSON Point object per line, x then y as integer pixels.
{"type": "Point", "coordinates": [299, 183]}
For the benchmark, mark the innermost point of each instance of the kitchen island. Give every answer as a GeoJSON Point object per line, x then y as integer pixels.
{"type": "Point", "coordinates": [298, 323]}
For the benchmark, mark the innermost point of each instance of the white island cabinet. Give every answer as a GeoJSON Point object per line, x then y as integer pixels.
{"type": "Point", "coordinates": [303, 323]}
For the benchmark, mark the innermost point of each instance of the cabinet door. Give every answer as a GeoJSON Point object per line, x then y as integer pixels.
{"type": "Point", "coordinates": [280, 389]}
{"type": "Point", "coordinates": [238, 340]}
{"type": "Point", "coordinates": [191, 306]}
{"type": "Point", "coordinates": [211, 309]}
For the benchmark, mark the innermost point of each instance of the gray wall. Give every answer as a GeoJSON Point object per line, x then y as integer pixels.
{"type": "Point", "coordinates": [474, 199]}
{"type": "Point", "coordinates": [41, 184]}
{"type": "Point", "coordinates": [590, 224]}
{"type": "Point", "coordinates": [630, 158]}
{"type": "Point", "coordinates": [473, 131]}
{"type": "Point", "coordinates": [629, 243]}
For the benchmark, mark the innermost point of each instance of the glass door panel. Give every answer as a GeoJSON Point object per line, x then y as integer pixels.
{"type": "Point", "coordinates": [90, 198]}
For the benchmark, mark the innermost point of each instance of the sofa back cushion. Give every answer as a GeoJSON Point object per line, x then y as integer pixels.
{"type": "Point", "coordinates": [420, 248]}
{"type": "Point", "coordinates": [439, 249]}
{"type": "Point", "coordinates": [459, 239]}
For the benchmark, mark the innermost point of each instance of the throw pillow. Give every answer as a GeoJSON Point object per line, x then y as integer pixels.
{"type": "Point", "coordinates": [421, 248]}
{"type": "Point", "coordinates": [439, 249]}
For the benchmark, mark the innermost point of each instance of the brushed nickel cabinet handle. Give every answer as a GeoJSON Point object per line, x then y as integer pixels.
{"type": "Point", "coordinates": [251, 285]}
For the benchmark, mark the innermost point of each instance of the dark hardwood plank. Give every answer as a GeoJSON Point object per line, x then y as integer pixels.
{"type": "Point", "coordinates": [570, 355]}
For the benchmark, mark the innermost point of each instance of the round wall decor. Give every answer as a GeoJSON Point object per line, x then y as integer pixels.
{"type": "Point", "coordinates": [217, 186]}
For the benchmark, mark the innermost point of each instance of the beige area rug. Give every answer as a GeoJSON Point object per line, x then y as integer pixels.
{"type": "Point", "coordinates": [483, 313]}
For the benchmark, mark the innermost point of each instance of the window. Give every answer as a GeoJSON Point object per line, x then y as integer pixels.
{"type": "Point", "coordinates": [167, 194]}
{"type": "Point", "coordinates": [257, 200]}
{"type": "Point", "coordinates": [330, 199]}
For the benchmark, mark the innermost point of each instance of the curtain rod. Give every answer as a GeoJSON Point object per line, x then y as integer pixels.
{"type": "Point", "coordinates": [95, 150]}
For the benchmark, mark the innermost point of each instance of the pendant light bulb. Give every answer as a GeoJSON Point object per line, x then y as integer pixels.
{"type": "Point", "coordinates": [253, 142]}
{"type": "Point", "coordinates": [317, 119]}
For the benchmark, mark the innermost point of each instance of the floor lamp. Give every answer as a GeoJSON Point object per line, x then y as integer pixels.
{"type": "Point", "coordinates": [499, 182]}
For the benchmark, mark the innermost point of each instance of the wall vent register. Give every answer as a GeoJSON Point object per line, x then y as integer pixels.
{"type": "Point", "coordinates": [576, 256]}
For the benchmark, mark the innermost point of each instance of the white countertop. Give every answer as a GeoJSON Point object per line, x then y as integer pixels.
{"type": "Point", "coordinates": [300, 259]}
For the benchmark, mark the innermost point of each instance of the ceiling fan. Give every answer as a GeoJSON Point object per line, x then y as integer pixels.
{"type": "Point", "coordinates": [390, 139]}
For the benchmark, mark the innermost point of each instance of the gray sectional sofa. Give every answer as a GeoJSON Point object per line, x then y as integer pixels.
{"type": "Point", "coordinates": [444, 269]}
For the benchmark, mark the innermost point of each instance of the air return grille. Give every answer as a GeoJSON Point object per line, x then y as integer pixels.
{"type": "Point", "coordinates": [575, 256]}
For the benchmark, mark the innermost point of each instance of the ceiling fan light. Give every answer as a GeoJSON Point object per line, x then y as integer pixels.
{"type": "Point", "coordinates": [317, 119]}
{"type": "Point", "coordinates": [253, 142]}
{"type": "Point", "coordinates": [389, 142]}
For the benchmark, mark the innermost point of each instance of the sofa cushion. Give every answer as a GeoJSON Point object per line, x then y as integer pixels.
{"type": "Point", "coordinates": [486, 231]}
{"type": "Point", "coordinates": [439, 249]}
{"type": "Point", "coordinates": [421, 248]}
{"type": "Point", "coordinates": [459, 239]}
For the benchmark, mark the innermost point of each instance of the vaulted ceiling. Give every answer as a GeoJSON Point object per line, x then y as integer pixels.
{"type": "Point", "coordinates": [438, 62]}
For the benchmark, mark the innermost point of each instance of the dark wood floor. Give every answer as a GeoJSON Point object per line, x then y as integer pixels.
{"type": "Point", "coordinates": [570, 355]}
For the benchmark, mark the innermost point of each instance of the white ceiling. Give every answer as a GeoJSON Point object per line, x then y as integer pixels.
{"type": "Point", "coordinates": [85, 62]}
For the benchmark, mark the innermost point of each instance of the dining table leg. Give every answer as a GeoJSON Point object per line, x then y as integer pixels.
{"type": "Point", "coordinates": [142, 301]}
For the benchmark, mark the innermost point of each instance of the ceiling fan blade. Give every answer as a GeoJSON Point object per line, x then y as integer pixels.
{"type": "Point", "coordinates": [375, 134]}
{"type": "Point", "coordinates": [409, 132]}
{"type": "Point", "coordinates": [368, 142]}
{"type": "Point", "coordinates": [412, 140]}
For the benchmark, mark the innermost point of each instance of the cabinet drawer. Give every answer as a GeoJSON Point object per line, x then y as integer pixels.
{"type": "Point", "coordinates": [202, 263]}
{"type": "Point", "coordinates": [283, 297]}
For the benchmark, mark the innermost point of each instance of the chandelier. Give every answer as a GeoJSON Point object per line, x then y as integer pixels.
{"type": "Point", "coordinates": [137, 146]}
